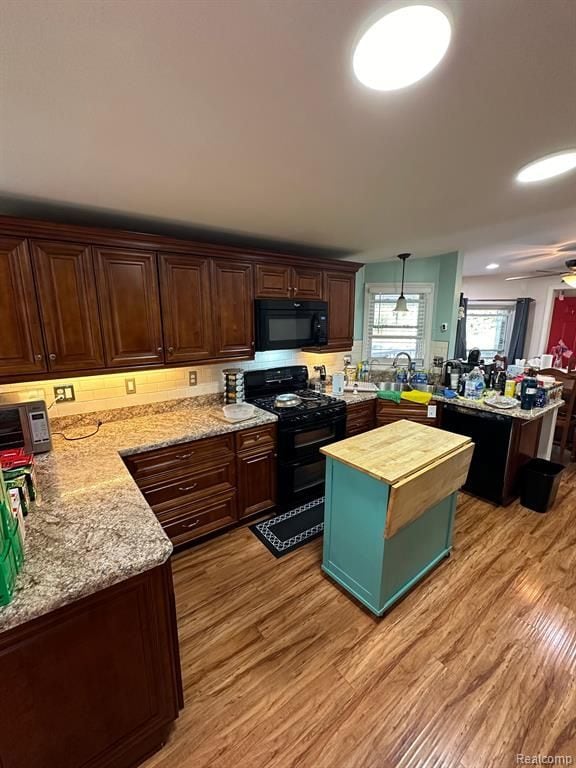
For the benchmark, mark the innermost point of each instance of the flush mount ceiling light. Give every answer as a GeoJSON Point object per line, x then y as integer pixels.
{"type": "Point", "coordinates": [401, 47]}
{"type": "Point", "coordinates": [492, 266]}
{"type": "Point", "coordinates": [401, 304]}
{"type": "Point", "coordinates": [570, 280]}
{"type": "Point", "coordinates": [548, 167]}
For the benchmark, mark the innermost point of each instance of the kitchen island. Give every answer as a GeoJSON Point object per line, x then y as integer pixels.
{"type": "Point", "coordinates": [89, 661]}
{"type": "Point", "coordinates": [504, 441]}
{"type": "Point", "coordinates": [389, 509]}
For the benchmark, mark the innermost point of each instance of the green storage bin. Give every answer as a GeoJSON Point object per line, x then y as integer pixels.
{"type": "Point", "coordinates": [8, 523]}
{"type": "Point", "coordinates": [8, 573]}
{"type": "Point", "coordinates": [15, 540]}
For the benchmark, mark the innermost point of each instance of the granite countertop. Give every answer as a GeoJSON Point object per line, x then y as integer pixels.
{"type": "Point", "coordinates": [477, 405]}
{"type": "Point", "coordinates": [91, 527]}
{"type": "Point", "coordinates": [515, 413]}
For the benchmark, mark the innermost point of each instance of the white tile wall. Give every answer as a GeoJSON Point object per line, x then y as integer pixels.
{"type": "Point", "coordinates": [97, 393]}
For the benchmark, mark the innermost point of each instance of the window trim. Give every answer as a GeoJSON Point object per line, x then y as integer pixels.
{"type": "Point", "coordinates": [505, 304]}
{"type": "Point", "coordinates": [392, 288]}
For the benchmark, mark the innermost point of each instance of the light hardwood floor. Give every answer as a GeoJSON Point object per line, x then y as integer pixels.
{"type": "Point", "coordinates": [475, 666]}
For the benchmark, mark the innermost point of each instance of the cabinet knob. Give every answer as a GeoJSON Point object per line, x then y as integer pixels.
{"type": "Point", "coordinates": [38, 357]}
{"type": "Point", "coordinates": [159, 350]}
{"type": "Point", "coordinates": [170, 350]}
{"type": "Point", "coordinates": [52, 356]}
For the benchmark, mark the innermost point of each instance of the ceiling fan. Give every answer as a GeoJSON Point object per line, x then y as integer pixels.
{"type": "Point", "coordinates": [568, 277]}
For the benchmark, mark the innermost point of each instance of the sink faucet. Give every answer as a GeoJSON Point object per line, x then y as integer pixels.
{"type": "Point", "coordinates": [403, 354]}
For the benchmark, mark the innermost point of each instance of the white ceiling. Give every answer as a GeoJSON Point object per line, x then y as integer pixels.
{"type": "Point", "coordinates": [244, 115]}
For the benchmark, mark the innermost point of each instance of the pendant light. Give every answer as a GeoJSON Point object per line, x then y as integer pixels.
{"type": "Point", "coordinates": [401, 305]}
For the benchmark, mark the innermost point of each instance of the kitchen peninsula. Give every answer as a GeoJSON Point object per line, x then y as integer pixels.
{"type": "Point", "coordinates": [89, 661]}
{"type": "Point", "coordinates": [390, 506]}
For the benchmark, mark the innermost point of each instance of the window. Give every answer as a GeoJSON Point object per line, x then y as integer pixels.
{"type": "Point", "coordinates": [488, 327]}
{"type": "Point", "coordinates": [386, 333]}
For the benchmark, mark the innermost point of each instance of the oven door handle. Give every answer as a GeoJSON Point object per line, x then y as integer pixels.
{"type": "Point", "coordinates": [313, 427]}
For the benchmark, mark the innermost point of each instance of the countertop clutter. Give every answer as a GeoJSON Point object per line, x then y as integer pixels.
{"type": "Point", "coordinates": [91, 527]}
{"type": "Point", "coordinates": [464, 402]}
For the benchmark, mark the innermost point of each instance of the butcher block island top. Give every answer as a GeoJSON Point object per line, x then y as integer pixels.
{"type": "Point", "coordinates": [394, 452]}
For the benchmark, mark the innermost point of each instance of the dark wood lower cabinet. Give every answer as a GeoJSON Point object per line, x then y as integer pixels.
{"type": "Point", "coordinates": [207, 485]}
{"type": "Point", "coordinates": [95, 684]}
{"type": "Point", "coordinates": [360, 417]}
{"type": "Point", "coordinates": [256, 481]}
{"type": "Point", "coordinates": [387, 412]}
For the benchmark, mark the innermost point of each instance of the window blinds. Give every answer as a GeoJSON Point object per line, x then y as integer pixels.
{"type": "Point", "coordinates": [391, 332]}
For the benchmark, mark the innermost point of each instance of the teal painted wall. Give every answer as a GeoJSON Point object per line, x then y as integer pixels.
{"type": "Point", "coordinates": [444, 271]}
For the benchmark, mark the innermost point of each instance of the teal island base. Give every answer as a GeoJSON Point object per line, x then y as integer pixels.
{"type": "Point", "coordinates": [377, 570]}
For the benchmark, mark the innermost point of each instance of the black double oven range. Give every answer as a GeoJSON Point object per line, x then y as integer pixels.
{"type": "Point", "coordinates": [317, 420]}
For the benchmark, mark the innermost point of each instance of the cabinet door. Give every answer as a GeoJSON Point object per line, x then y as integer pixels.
{"type": "Point", "coordinates": [21, 346]}
{"type": "Point", "coordinates": [339, 293]}
{"type": "Point", "coordinates": [185, 293]}
{"type": "Point", "coordinates": [306, 283]}
{"type": "Point", "coordinates": [233, 309]}
{"type": "Point", "coordinates": [68, 305]}
{"type": "Point", "coordinates": [273, 281]}
{"type": "Point", "coordinates": [130, 307]}
{"type": "Point", "coordinates": [256, 482]}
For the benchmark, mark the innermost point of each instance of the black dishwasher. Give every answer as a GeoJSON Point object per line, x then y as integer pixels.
{"type": "Point", "coordinates": [491, 434]}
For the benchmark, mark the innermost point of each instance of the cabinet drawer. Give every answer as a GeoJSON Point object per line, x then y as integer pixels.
{"type": "Point", "coordinates": [388, 412]}
{"type": "Point", "coordinates": [173, 491]}
{"type": "Point", "coordinates": [189, 521]}
{"type": "Point", "coordinates": [256, 437]}
{"type": "Point", "coordinates": [184, 456]}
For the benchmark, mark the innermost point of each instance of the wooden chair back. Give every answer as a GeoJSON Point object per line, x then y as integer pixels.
{"type": "Point", "coordinates": [567, 415]}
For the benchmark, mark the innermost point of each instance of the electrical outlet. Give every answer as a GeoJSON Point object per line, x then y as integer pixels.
{"type": "Point", "coordinates": [130, 385]}
{"type": "Point", "coordinates": [347, 359]}
{"type": "Point", "coordinates": [192, 378]}
{"type": "Point", "coordinates": [64, 393]}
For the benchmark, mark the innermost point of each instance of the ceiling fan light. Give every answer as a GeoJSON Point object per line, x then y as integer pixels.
{"type": "Point", "coordinates": [401, 304]}
{"type": "Point", "coordinates": [570, 280]}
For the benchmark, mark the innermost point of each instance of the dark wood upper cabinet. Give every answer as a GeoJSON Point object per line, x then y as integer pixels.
{"type": "Point", "coordinates": [68, 305]}
{"type": "Point", "coordinates": [233, 308]}
{"type": "Point", "coordinates": [21, 345]}
{"type": "Point", "coordinates": [339, 293]}
{"type": "Point", "coordinates": [129, 306]}
{"type": "Point", "coordinates": [278, 281]}
{"type": "Point", "coordinates": [273, 281]}
{"type": "Point", "coordinates": [185, 293]}
{"type": "Point", "coordinates": [306, 283]}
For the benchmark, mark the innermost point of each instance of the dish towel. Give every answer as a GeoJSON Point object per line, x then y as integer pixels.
{"type": "Point", "coordinates": [417, 397]}
{"type": "Point", "coordinates": [387, 395]}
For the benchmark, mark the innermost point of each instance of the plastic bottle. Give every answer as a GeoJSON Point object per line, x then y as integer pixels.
{"type": "Point", "coordinates": [475, 385]}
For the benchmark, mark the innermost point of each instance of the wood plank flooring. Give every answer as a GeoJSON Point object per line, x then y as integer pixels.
{"type": "Point", "coordinates": [476, 665]}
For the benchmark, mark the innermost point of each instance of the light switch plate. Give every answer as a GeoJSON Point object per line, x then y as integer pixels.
{"type": "Point", "coordinates": [432, 411]}
{"type": "Point", "coordinates": [192, 378]}
{"type": "Point", "coordinates": [130, 385]}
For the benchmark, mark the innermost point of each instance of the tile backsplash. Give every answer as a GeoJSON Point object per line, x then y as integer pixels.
{"type": "Point", "coordinates": [105, 392]}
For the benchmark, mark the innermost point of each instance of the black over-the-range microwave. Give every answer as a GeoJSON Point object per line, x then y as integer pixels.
{"type": "Point", "coordinates": [290, 324]}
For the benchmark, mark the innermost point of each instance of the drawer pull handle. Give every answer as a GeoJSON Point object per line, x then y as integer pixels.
{"type": "Point", "coordinates": [184, 456]}
{"type": "Point", "coordinates": [187, 487]}
{"type": "Point", "coordinates": [257, 437]}
{"type": "Point", "coordinates": [193, 524]}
